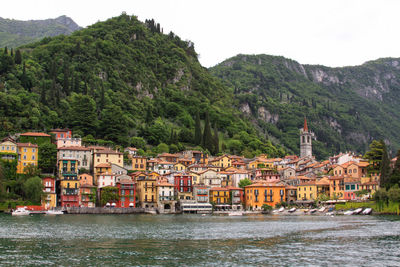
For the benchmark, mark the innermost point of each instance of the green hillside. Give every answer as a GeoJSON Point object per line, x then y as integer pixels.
{"type": "Point", "coordinates": [346, 107]}
{"type": "Point", "coordinates": [125, 81]}
{"type": "Point", "coordinates": [14, 33]}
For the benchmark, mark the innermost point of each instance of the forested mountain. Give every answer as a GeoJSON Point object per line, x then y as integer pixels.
{"type": "Point", "coordinates": [346, 107]}
{"type": "Point", "coordinates": [14, 33]}
{"type": "Point", "coordinates": [125, 81]}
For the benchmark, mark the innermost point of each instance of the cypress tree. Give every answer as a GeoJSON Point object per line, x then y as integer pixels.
{"type": "Point", "coordinates": [66, 79]}
{"type": "Point", "coordinates": [385, 166]}
{"type": "Point", "coordinates": [197, 130]}
{"type": "Point", "coordinates": [207, 136]}
{"type": "Point", "coordinates": [12, 52]}
{"type": "Point", "coordinates": [5, 50]}
{"type": "Point", "coordinates": [216, 140]}
{"type": "Point", "coordinates": [18, 57]}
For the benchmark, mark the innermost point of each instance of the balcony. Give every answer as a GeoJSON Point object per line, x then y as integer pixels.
{"type": "Point", "coordinates": [236, 194]}
{"type": "Point", "coordinates": [70, 191]}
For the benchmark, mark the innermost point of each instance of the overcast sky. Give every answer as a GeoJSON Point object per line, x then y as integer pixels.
{"type": "Point", "coordinates": [332, 33]}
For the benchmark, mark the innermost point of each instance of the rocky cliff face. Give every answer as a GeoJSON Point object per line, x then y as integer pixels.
{"type": "Point", "coordinates": [348, 107]}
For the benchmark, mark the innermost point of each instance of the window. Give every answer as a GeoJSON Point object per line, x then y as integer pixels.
{"type": "Point", "coordinates": [24, 157]}
{"type": "Point", "coordinates": [33, 157]}
{"type": "Point", "coordinates": [25, 150]}
{"type": "Point", "coordinates": [33, 150]}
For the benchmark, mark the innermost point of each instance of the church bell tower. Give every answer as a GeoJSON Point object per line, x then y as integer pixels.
{"type": "Point", "coordinates": [306, 137]}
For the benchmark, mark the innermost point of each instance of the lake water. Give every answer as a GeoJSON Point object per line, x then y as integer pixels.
{"type": "Point", "coordinates": [193, 240]}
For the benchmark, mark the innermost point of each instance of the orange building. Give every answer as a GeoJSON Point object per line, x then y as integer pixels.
{"type": "Point", "coordinates": [259, 194]}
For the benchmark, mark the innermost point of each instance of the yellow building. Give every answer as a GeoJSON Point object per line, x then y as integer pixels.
{"type": "Point", "coordinates": [103, 168]}
{"type": "Point", "coordinates": [179, 167]}
{"type": "Point", "coordinates": [260, 163]}
{"type": "Point", "coordinates": [195, 177]}
{"type": "Point", "coordinates": [69, 196]}
{"type": "Point", "coordinates": [307, 191]}
{"type": "Point", "coordinates": [336, 187]}
{"type": "Point", "coordinates": [146, 191]}
{"type": "Point", "coordinates": [259, 194]}
{"type": "Point", "coordinates": [108, 156]}
{"type": "Point", "coordinates": [27, 155]}
{"type": "Point", "coordinates": [49, 190]}
{"type": "Point", "coordinates": [222, 161]}
{"type": "Point", "coordinates": [323, 187]}
{"type": "Point", "coordinates": [219, 195]}
{"type": "Point", "coordinates": [139, 163]}
{"type": "Point", "coordinates": [8, 150]}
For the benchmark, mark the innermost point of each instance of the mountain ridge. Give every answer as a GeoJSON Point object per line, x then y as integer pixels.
{"type": "Point", "coordinates": [347, 104]}
{"type": "Point", "coordinates": [14, 33]}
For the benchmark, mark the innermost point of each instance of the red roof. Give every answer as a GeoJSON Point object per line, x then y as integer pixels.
{"type": "Point", "coordinates": [305, 128]}
{"type": "Point", "coordinates": [26, 145]}
{"type": "Point", "coordinates": [35, 134]}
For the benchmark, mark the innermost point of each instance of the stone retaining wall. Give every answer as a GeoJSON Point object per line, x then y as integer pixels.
{"type": "Point", "coordinates": [99, 210]}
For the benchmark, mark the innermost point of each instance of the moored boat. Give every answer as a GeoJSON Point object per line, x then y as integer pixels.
{"type": "Point", "coordinates": [20, 211]}
{"type": "Point", "coordinates": [281, 209]}
{"type": "Point", "coordinates": [357, 211]}
{"type": "Point", "coordinates": [292, 210]}
{"type": "Point", "coordinates": [235, 213]}
{"type": "Point", "coordinates": [367, 211]}
{"type": "Point", "coordinates": [322, 209]}
{"type": "Point", "coordinates": [349, 212]}
{"type": "Point", "coordinates": [54, 212]}
{"type": "Point", "coordinates": [313, 211]}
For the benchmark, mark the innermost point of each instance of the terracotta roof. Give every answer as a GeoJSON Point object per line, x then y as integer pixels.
{"type": "Point", "coordinates": [35, 134]}
{"type": "Point", "coordinates": [132, 148]}
{"type": "Point", "coordinates": [345, 165]}
{"type": "Point", "coordinates": [323, 181]}
{"type": "Point", "coordinates": [125, 181]}
{"type": "Point", "coordinates": [26, 145]}
{"type": "Point", "coordinates": [266, 185]}
{"type": "Point", "coordinates": [307, 183]}
{"type": "Point", "coordinates": [234, 188]}
{"type": "Point", "coordinates": [219, 189]}
{"type": "Point", "coordinates": [103, 165]}
{"type": "Point", "coordinates": [336, 178]}
{"type": "Point", "coordinates": [363, 164]}
{"type": "Point", "coordinates": [80, 148]}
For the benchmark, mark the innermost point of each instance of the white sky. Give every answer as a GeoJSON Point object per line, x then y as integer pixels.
{"type": "Point", "coordinates": [326, 32]}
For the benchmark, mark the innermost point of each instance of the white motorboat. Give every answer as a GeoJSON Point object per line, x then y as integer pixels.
{"type": "Point", "coordinates": [331, 213]}
{"type": "Point", "coordinates": [357, 211]}
{"type": "Point", "coordinates": [20, 211]}
{"type": "Point", "coordinates": [54, 212]}
{"type": "Point", "coordinates": [235, 213]}
{"type": "Point", "coordinates": [367, 211]}
{"type": "Point", "coordinates": [349, 212]}
{"type": "Point", "coordinates": [275, 211]}
{"type": "Point", "coordinates": [281, 209]}
{"type": "Point", "coordinates": [292, 210]}
{"type": "Point", "coordinates": [322, 209]}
